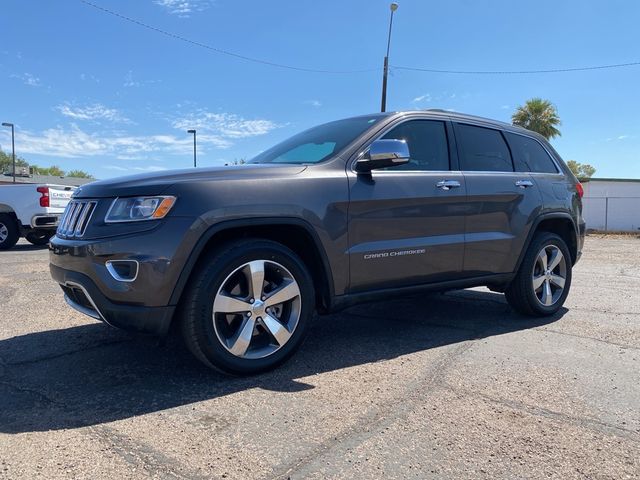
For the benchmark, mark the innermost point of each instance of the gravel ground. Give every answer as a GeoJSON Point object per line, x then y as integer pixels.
{"type": "Point", "coordinates": [449, 385]}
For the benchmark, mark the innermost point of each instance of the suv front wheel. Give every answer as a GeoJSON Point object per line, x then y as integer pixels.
{"type": "Point", "coordinates": [542, 283]}
{"type": "Point", "coordinates": [247, 307]}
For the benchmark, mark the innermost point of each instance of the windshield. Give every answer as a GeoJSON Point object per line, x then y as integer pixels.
{"type": "Point", "coordinates": [318, 143]}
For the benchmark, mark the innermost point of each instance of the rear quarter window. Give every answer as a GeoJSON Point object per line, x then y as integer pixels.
{"type": "Point", "coordinates": [529, 155]}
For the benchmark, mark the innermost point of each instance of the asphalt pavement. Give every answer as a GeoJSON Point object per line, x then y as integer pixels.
{"type": "Point", "coordinates": [452, 385]}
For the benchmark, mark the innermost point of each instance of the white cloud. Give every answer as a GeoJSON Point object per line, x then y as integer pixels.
{"type": "Point", "coordinates": [88, 76]}
{"type": "Point", "coordinates": [184, 8]}
{"type": "Point", "coordinates": [313, 103]}
{"type": "Point", "coordinates": [422, 98]}
{"type": "Point", "coordinates": [223, 125]}
{"type": "Point", "coordinates": [622, 137]}
{"type": "Point", "coordinates": [130, 81]}
{"type": "Point", "coordinates": [94, 112]}
{"type": "Point", "coordinates": [28, 79]}
{"type": "Point", "coordinates": [74, 142]}
{"type": "Point", "coordinates": [505, 107]}
{"type": "Point", "coordinates": [215, 131]}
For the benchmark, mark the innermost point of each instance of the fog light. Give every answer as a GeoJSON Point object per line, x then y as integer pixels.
{"type": "Point", "coordinates": [123, 270]}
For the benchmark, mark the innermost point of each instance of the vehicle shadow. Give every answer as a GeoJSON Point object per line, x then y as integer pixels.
{"type": "Point", "coordinates": [24, 247]}
{"type": "Point", "coordinates": [91, 374]}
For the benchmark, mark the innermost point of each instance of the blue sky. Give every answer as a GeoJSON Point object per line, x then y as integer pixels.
{"type": "Point", "coordinates": [91, 91]}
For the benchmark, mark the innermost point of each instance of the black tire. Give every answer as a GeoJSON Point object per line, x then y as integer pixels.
{"type": "Point", "coordinates": [196, 309]}
{"type": "Point", "coordinates": [521, 295]}
{"type": "Point", "coordinates": [39, 237]}
{"type": "Point", "coordinates": [10, 231]}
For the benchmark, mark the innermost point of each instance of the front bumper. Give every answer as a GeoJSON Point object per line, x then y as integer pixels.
{"type": "Point", "coordinates": [142, 302]}
{"type": "Point", "coordinates": [83, 295]}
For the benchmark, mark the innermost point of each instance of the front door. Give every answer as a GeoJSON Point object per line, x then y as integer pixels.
{"type": "Point", "coordinates": [406, 223]}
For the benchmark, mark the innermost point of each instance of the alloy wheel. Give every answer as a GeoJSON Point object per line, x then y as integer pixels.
{"type": "Point", "coordinates": [4, 232]}
{"type": "Point", "coordinates": [549, 275]}
{"type": "Point", "coordinates": [256, 309]}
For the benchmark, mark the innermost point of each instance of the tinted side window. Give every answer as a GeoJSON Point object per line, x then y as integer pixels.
{"type": "Point", "coordinates": [427, 141]}
{"type": "Point", "coordinates": [529, 156]}
{"type": "Point", "coordinates": [482, 149]}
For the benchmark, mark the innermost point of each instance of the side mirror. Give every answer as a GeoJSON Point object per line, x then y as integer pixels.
{"type": "Point", "coordinates": [382, 154]}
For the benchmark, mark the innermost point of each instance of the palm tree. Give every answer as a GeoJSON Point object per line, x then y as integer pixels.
{"type": "Point", "coordinates": [538, 115]}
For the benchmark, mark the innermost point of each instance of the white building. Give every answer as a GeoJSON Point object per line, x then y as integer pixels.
{"type": "Point", "coordinates": [612, 204]}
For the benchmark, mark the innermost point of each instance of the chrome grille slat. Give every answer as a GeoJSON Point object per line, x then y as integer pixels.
{"type": "Point", "coordinates": [81, 223]}
{"type": "Point", "coordinates": [63, 220]}
{"type": "Point", "coordinates": [76, 218]}
{"type": "Point", "coordinates": [71, 208]}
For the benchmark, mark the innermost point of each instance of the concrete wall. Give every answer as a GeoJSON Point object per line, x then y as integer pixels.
{"type": "Point", "coordinates": [612, 204]}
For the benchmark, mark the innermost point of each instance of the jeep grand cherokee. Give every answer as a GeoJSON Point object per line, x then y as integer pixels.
{"type": "Point", "coordinates": [364, 208]}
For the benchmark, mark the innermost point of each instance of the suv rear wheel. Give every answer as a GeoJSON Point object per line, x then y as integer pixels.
{"type": "Point", "coordinates": [247, 307]}
{"type": "Point", "coordinates": [542, 284]}
{"type": "Point", "coordinates": [9, 233]}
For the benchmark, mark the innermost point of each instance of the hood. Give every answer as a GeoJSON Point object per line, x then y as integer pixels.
{"type": "Point", "coordinates": [158, 182]}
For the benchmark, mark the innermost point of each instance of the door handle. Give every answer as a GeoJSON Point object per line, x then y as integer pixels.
{"type": "Point", "coordinates": [524, 183]}
{"type": "Point", "coordinates": [447, 184]}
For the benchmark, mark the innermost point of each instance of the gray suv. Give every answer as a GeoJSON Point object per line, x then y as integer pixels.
{"type": "Point", "coordinates": [239, 258]}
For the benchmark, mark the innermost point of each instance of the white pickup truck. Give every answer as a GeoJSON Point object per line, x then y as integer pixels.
{"type": "Point", "coordinates": [32, 211]}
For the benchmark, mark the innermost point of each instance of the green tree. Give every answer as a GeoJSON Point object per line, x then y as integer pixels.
{"type": "Point", "coordinates": [53, 171]}
{"type": "Point", "coordinates": [582, 171]}
{"type": "Point", "coordinates": [538, 115]}
{"type": "Point", "coordinates": [6, 162]}
{"type": "Point", "coordinates": [79, 174]}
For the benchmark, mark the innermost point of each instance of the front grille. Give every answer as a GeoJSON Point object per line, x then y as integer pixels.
{"type": "Point", "coordinates": [76, 218]}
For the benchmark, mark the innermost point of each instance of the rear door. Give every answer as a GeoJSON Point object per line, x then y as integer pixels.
{"type": "Point", "coordinates": [530, 156]}
{"type": "Point", "coordinates": [501, 202]}
{"type": "Point", "coordinates": [406, 223]}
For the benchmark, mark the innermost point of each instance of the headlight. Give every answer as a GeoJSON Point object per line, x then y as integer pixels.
{"type": "Point", "coordinates": [136, 209]}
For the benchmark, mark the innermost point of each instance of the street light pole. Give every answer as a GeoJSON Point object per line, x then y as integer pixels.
{"type": "Point", "coordinates": [394, 7]}
{"type": "Point", "coordinates": [194, 146]}
{"type": "Point", "coordinates": [13, 148]}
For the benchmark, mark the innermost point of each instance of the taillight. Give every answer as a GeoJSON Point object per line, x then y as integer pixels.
{"type": "Point", "coordinates": [580, 189]}
{"type": "Point", "coordinates": [44, 199]}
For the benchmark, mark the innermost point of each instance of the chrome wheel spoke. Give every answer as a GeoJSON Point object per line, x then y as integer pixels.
{"type": "Point", "coordinates": [538, 281]}
{"type": "Point", "coordinates": [283, 294]}
{"type": "Point", "coordinates": [542, 258]}
{"type": "Point", "coordinates": [240, 343]}
{"type": "Point", "coordinates": [279, 332]}
{"type": "Point", "coordinates": [227, 304]}
{"type": "Point", "coordinates": [547, 296]}
{"type": "Point", "coordinates": [256, 271]}
{"type": "Point", "coordinates": [556, 258]}
{"type": "Point", "coordinates": [557, 280]}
